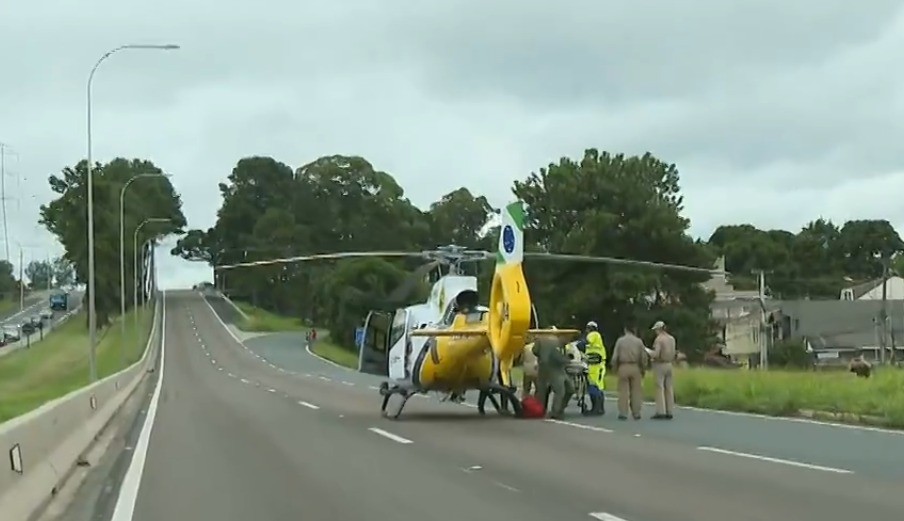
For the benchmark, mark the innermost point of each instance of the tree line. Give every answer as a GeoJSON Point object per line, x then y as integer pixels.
{"type": "Point", "coordinates": [149, 195]}
{"type": "Point", "coordinates": [601, 204]}
{"type": "Point", "coordinates": [816, 262]}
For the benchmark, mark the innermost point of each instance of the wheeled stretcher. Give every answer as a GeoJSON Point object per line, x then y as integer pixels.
{"type": "Point", "coordinates": [577, 370]}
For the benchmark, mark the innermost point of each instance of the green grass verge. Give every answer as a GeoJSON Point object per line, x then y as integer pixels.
{"type": "Point", "coordinates": [59, 364]}
{"type": "Point", "coordinates": [875, 400]}
{"type": "Point", "coordinates": [334, 353]}
{"type": "Point", "coordinates": [8, 307]}
{"type": "Point", "coordinates": [263, 321]}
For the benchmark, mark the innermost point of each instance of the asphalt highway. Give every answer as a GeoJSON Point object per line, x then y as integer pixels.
{"type": "Point", "coordinates": [239, 433]}
{"type": "Point", "coordinates": [33, 306]}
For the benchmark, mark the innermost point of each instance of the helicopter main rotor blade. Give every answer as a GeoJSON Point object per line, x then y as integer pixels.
{"type": "Point", "coordinates": [624, 262]}
{"type": "Point", "coordinates": [323, 256]}
{"type": "Point", "coordinates": [401, 294]}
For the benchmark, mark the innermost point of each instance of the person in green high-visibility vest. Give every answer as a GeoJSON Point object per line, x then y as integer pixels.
{"type": "Point", "coordinates": [595, 355]}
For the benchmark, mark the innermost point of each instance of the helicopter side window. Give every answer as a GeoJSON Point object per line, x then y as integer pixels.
{"type": "Point", "coordinates": [399, 324]}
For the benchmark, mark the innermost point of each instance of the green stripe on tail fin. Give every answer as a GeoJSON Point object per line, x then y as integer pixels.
{"type": "Point", "coordinates": [511, 236]}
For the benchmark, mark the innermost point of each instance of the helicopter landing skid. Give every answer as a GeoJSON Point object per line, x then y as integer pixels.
{"type": "Point", "coordinates": [404, 392]}
{"type": "Point", "coordinates": [506, 398]}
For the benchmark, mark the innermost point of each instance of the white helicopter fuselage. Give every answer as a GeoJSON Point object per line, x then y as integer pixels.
{"type": "Point", "coordinates": [437, 311]}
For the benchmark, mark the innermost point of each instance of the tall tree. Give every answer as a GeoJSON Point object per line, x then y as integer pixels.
{"type": "Point", "coordinates": [151, 197]}
{"type": "Point", "coordinates": [612, 205]}
{"type": "Point", "coordinates": [39, 273]}
{"type": "Point", "coordinates": [9, 286]}
{"type": "Point", "coordinates": [63, 271]}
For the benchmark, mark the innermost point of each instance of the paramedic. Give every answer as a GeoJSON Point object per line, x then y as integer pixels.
{"type": "Point", "coordinates": [663, 356]}
{"type": "Point", "coordinates": [596, 370]}
{"type": "Point", "coordinates": [551, 374]}
{"type": "Point", "coordinates": [629, 358]}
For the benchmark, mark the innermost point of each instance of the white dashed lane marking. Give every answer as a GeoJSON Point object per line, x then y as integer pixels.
{"type": "Point", "coordinates": [325, 379]}
{"type": "Point", "coordinates": [776, 460]}
{"type": "Point", "coordinates": [580, 426]}
{"type": "Point", "coordinates": [308, 405]}
{"type": "Point", "coordinates": [348, 383]}
{"type": "Point", "coordinates": [603, 516]}
{"type": "Point", "coordinates": [245, 381]}
{"type": "Point", "coordinates": [388, 435]}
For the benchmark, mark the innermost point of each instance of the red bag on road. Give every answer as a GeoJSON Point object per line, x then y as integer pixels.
{"type": "Point", "coordinates": [532, 407]}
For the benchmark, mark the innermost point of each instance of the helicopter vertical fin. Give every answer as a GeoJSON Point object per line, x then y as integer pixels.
{"type": "Point", "coordinates": [511, 236]}
{"type": "Point", "coordinates": [510, 305]}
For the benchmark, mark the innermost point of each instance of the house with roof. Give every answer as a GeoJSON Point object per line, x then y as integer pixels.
{"type": "Point", "coordinates": [872, 290]}
{"type": "Point", "coordinates": [839, 330]}
{"type": "Point", "coordinates": [738, 313]}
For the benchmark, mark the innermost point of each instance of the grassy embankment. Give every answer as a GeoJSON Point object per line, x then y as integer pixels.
{"type": "Point", "coordinates": [260, 320]}
{"type": "Point", "coordinates": [838, 396]}
{"type": "Point", "coordinates": [58, 364]}
{"type": "Point", "coordinates": [8, 306]}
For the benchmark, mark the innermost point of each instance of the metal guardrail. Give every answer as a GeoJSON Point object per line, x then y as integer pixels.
{"type": "Point", "coordinates": [42, 446]}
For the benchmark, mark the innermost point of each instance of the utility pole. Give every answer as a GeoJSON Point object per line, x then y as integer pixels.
{"type": "Point", "coordinates": [883, 313]}
{"type": "Point", "coordinates": [763, 345]}
{"type": "Point", "coordinates": [21, 283]}
{"type": "Point", "coordinates": [3, 196]}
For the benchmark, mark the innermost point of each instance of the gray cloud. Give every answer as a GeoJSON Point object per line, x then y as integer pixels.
{"type": "Point", "coordinates": [774, 112]}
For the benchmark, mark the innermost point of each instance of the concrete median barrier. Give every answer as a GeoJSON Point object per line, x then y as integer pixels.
{"type": "Point", "coordinates": [42, 447]}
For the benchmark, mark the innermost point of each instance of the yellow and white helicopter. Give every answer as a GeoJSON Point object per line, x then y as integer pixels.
{"type": "Point", "coordinates": [450, 344]}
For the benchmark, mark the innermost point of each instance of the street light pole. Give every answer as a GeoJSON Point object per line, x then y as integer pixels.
{"type": "Point", "coordinates": [122, 256]}
{"type": "Point", "coordinates": [92, 316]}
{"type": "Point", "coordinates": [135, 270]}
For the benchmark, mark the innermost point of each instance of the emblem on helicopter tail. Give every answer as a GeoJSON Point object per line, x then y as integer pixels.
{"type": "Point", "coordinates": [508, 239]}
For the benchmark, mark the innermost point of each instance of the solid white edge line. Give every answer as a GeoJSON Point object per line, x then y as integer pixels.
{"type": "Point", "coordinates": [307, 348]}
{"type": "Point", "coordinates": [308, 405]}
{"type": "Point", "coordinates": [791, 419]}
{"type": "Point", "coordinates": [770, 459]}
{"type": "Point", "coordinates": [220, 320]}
{"type": "Point", "coordinates": [128, 490]}
{"type": "Point", "coordinates": [580, 425]}
{"type": "Point", "coordinates": [604, 516]}
{"type": "Point", "coordinates": [394, 437]}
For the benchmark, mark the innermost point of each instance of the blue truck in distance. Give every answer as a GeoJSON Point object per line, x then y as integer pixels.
{"type": "Point", "coordinates": [59, 301]}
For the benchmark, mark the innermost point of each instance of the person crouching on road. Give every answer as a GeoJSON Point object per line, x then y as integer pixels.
{"type": "Point", "coordinates": [528, 370]}
{"type": "Point", "coordinates": [595, 354]}
{"type": "Point", "coordinates": [629, 358]}
{"type": "Point", "coordinates": [662, 357]}
{"type": "Point", "coordinates": [552, 375]}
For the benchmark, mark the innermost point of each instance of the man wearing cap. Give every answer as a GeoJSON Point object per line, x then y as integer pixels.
{"type": "Point", "coordinates": [662, 356]}
{"type": "Point", "coordinates": [629, 359]}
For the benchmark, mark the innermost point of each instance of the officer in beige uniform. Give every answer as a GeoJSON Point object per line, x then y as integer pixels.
{"type": "Point", "coordinates": [663, 356]}
{"type": "Point", "coordinates": [629, 358]}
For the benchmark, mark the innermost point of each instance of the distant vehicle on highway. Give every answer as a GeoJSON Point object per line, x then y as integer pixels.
{"type": "Point", "coordinates": [11, 334]}
{"type": "Point", "coordinates": [59, 301]}
{"type": "Point", "coordinates": [46, 314]}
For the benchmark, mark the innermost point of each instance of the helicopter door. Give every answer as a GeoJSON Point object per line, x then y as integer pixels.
{"type": "Point", "coordinates": [373, 355]}
{"type": "Point", "coordinates": [398, 342]}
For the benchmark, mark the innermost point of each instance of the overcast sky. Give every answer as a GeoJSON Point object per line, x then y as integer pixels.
{"type": "Point", "coordinates": [775, 112]}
